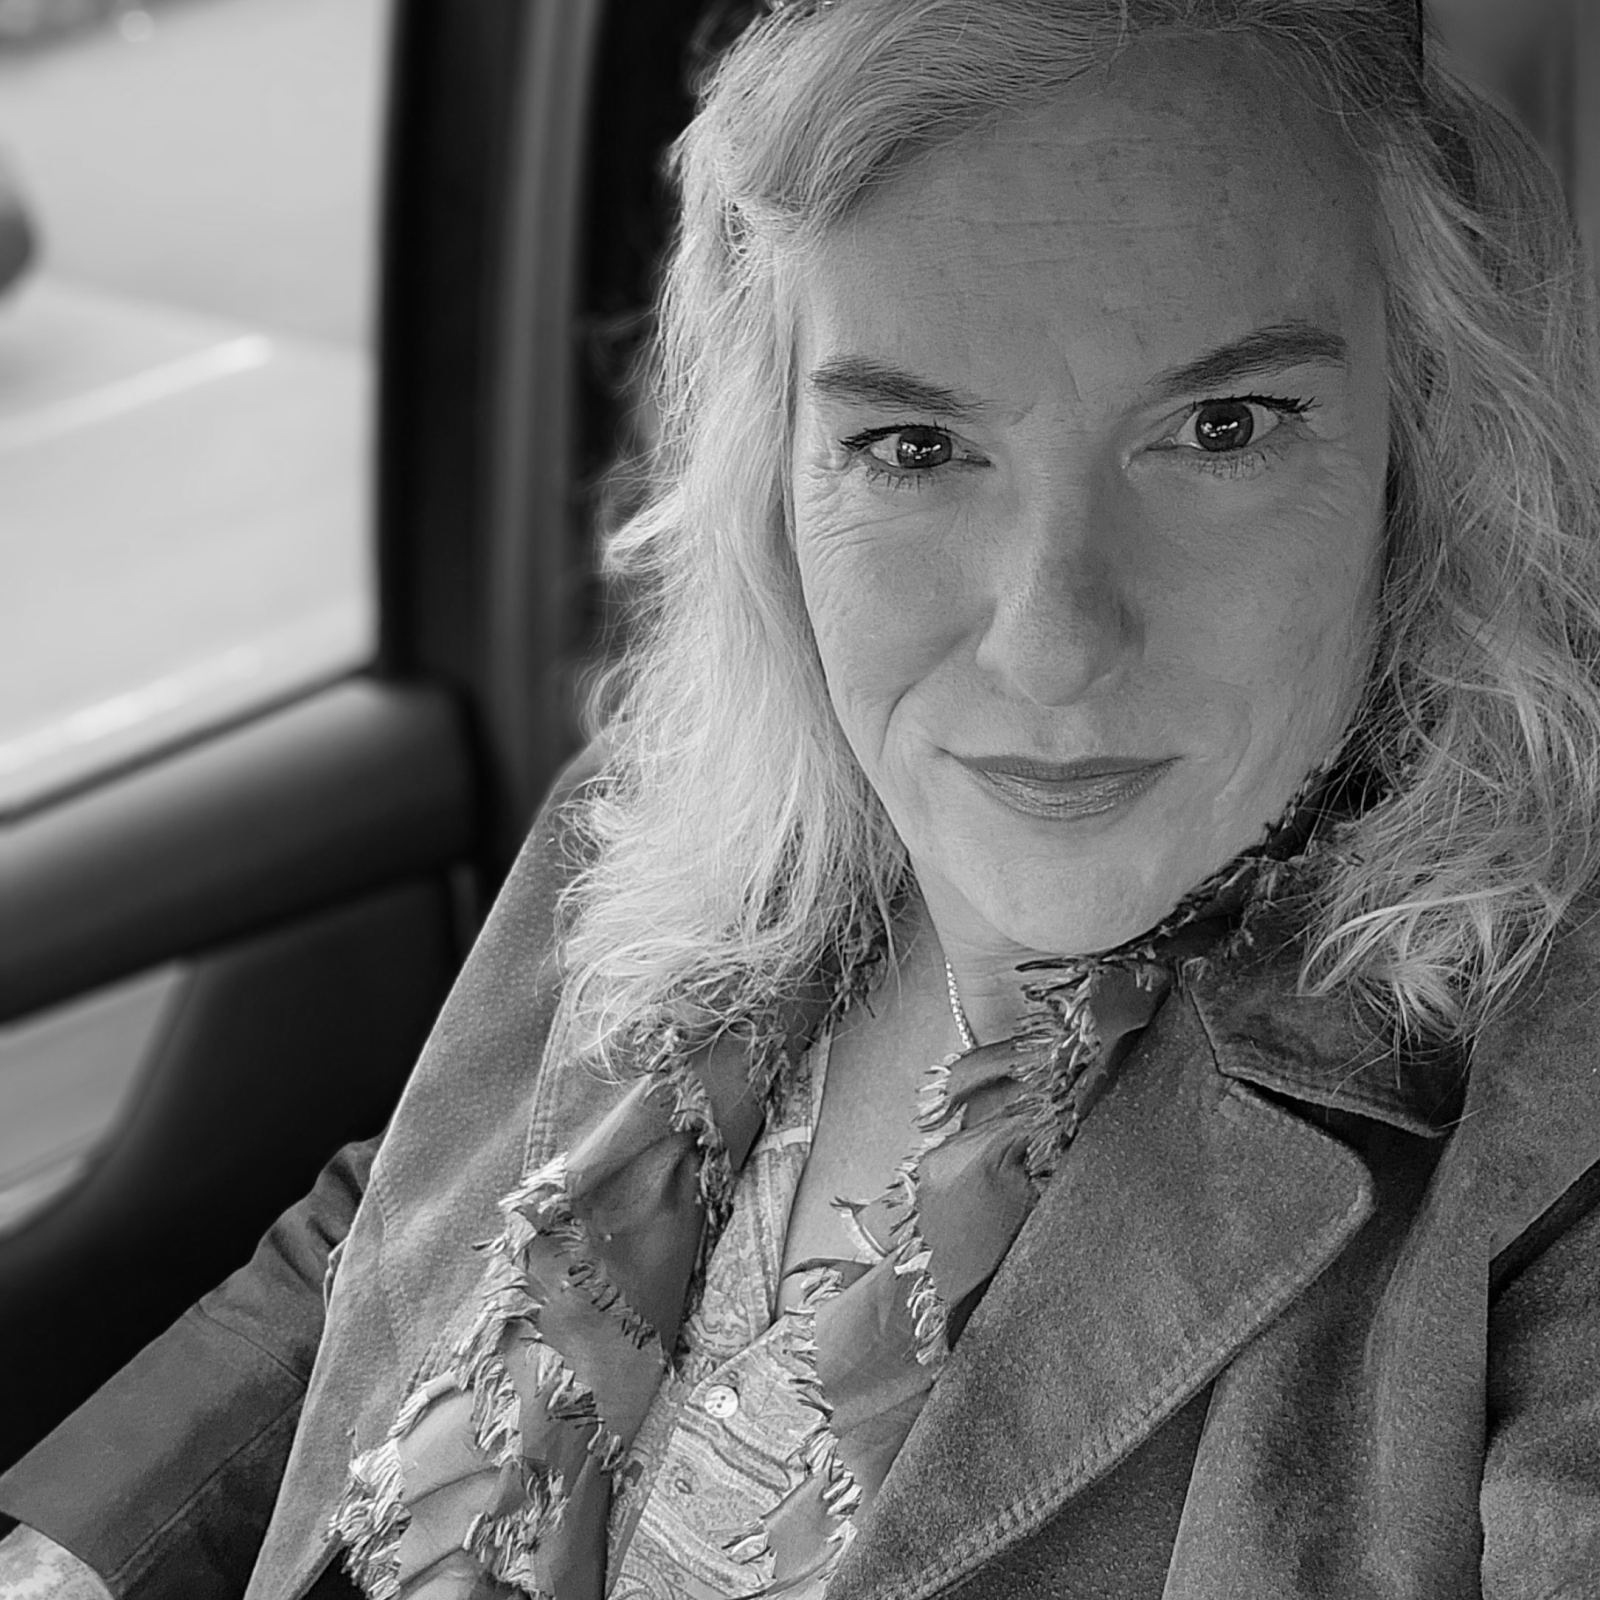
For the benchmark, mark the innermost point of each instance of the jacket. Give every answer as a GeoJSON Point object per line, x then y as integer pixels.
{"type": "Point", "coordinates": [1287, 1321]}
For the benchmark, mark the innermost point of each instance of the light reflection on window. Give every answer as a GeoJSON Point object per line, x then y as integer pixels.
{"type": "Point", "coordinates": [185, 368]}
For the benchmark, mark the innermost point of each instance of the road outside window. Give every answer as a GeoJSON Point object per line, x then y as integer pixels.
{"type": "Point", "coordinates": [187, 206]}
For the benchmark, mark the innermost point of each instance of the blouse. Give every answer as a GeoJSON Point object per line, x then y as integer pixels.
{"type": "Point", "coordinates": [720, 1444]}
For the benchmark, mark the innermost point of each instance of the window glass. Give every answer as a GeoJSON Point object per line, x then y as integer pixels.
{"type": "Point", "coordinates": [185, 368]}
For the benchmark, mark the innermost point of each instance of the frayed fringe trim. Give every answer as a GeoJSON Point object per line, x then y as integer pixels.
{"type": "Point", "coordinates": [372, 1516]}
{"type": "Point", "coordinates": [1060, 1029]}
{"type": "Point", "coordinates": [770, 1064]}
{"type": "Point", "coordinates": [841, 1493]}
{"type": "Point", "coordinates": [841, 1541]}
{"type": "Point", "coordinates": [660, 1049]}
{"type": "Point", "coordinates": [929, 1314]}
{"type": "Point", "coordinates": [751, 1548]}
{"type": "Point", "coordinates": [862, 953]}
{"type": "Point", "coordinates": [542, 1206]}
{"type": "Point", "coordinates": [507, 1546]}
{"type": "Point", "coordinates": [370, 1520]}
{"type": "Point", "coordinates": [420, 1398]}
{"type": "Point", "coordinates": [1052, 1075]}
{"type": "Point", "coordinates": [588, 1275]}
{"type": "Point", "coordinates": [913, 1259]}
{"type": "Point", "coordinates": [691, 1112]}
{"type": "Point", "coordinates": [819, 1450]}
{"type": "Point", "coordinates": [497, 1406]}
{"type": "Point", "coordinates": [933, 1108]}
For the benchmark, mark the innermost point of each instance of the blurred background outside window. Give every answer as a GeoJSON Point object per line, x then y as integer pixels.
{"type": "Point", "coordinates": [187, 206]}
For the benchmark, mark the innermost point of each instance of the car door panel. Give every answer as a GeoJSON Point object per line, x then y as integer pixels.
{"type": "Point", "coordinates": [324, 798]}
{"type": "Point", "coordinates": [278, 1048]}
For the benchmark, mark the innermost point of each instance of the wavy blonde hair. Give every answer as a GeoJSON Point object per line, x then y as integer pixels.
{"type": "Point", "coordinates": [734, 842]}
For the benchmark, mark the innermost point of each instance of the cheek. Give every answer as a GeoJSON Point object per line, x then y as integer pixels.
{"type": "Point", "coordinates": [1332, 579]}
{"type": "Point", "coordinates": [1304, 645]}
{"type": "Point", "coordinates": [879, 606]}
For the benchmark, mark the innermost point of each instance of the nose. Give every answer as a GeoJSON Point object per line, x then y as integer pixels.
{"type": "Point", "coordinates": [1063, 617]}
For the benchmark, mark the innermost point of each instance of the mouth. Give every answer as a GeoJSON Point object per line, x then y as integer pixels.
{"type": "Point", "coordinates": [1065, 790]}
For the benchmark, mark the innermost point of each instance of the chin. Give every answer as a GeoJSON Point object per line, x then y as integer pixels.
{"type": "Point", "coordinates": [1104, 917]}
{"type": "Point", "coordinates": [1078, 889]}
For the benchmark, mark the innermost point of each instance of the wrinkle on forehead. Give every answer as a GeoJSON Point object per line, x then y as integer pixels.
{"type": "Point", "coordinates": [1189, 110]}
{"type": "Point", "coordinates": [1188, 194]}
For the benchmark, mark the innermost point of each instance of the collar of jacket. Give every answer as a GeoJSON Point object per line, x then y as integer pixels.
{"type": "Point", "coordinates": [1320, 1050]}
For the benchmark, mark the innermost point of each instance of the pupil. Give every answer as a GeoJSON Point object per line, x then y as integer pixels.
{"type": "Point", "coordinates": [922, 447]}
{"type": "Point", "coordinates": [1226, 425]}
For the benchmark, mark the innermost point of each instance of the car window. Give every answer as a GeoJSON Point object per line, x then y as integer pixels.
{"type": "Point", "coordinates": [187, 207]}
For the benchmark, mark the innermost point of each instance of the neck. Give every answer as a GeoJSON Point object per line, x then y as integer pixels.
{"type": "Point", "coordinates": [987, 982]}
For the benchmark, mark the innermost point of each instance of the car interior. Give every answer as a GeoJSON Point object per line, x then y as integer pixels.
{"type": "Point", "coordinates": [266, 912]}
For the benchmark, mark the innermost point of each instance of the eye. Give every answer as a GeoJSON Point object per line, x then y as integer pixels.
{"type": "Point", "coordinates": [1221, 427]}
{"type": "Point", "coordinates": [910, 455]}
{"type": "Point", "coordinates": [914, 449]}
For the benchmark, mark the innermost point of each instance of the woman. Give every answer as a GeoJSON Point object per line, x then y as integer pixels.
{"type": "Point", "coordinates": [1065, 1016]}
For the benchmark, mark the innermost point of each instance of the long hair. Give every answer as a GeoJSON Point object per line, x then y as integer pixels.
{"type": "Point", "coordinates": [734, 845]}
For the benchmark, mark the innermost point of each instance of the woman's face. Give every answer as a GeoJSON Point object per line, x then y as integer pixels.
{"type": "Point", "coordinates": [1088, 479]}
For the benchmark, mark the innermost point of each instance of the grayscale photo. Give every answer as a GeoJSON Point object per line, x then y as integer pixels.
{"type": "Point", "coordinates": [800, 799]}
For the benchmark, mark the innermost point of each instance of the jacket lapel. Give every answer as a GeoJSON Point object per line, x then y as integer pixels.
{"type": "Point", "coordinates": [1319, 1049]}
{"type": "Point", "coordinates": [1188, 1213]}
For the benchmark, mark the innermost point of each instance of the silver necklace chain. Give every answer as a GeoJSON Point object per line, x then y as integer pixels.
{"type": "Point", "coordinates": [963, 1027]}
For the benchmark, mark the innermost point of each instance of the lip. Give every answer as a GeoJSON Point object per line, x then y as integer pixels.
{"type": "Point", "coordinates": [1065, 790]}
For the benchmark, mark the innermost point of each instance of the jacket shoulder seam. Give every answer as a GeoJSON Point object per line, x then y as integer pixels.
{"type": "Point", "coordinates": [283, 1366]}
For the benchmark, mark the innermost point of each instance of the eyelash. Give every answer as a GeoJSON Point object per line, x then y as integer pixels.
{"type": "Point", "coordinates": [1223, 464]}
{"type": "Point", "coordinates": [1238, 463]}
{"type": "Point", "coordinates": [859, 445]}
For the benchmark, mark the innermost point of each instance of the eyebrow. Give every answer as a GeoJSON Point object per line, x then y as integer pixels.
{"type": "Point", "coordinates": [862, 381]}
{"type": "Point", "coordinates": [865, 382]}
{"type": "Point", "coordinates": [1270, 349]}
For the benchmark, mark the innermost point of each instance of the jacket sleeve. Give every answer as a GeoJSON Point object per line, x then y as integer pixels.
{"type": "Point", "coordinates": [165, 1480]}
{"type": "Point", "coordinates": [1540, 1500]}
{"type": "Point", "coordinates": [171, 1468]}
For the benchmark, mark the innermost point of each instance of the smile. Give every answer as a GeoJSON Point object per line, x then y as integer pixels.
{"type": "Point", "coordinates": [1064, 791]}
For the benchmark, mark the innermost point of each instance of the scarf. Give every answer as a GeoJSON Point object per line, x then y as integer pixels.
{"type": "Point", "coordinates": [496, 1469]}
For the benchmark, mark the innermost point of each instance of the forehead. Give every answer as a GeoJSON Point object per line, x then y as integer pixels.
{"type": "Point", "coordinates": [1186, 196]}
